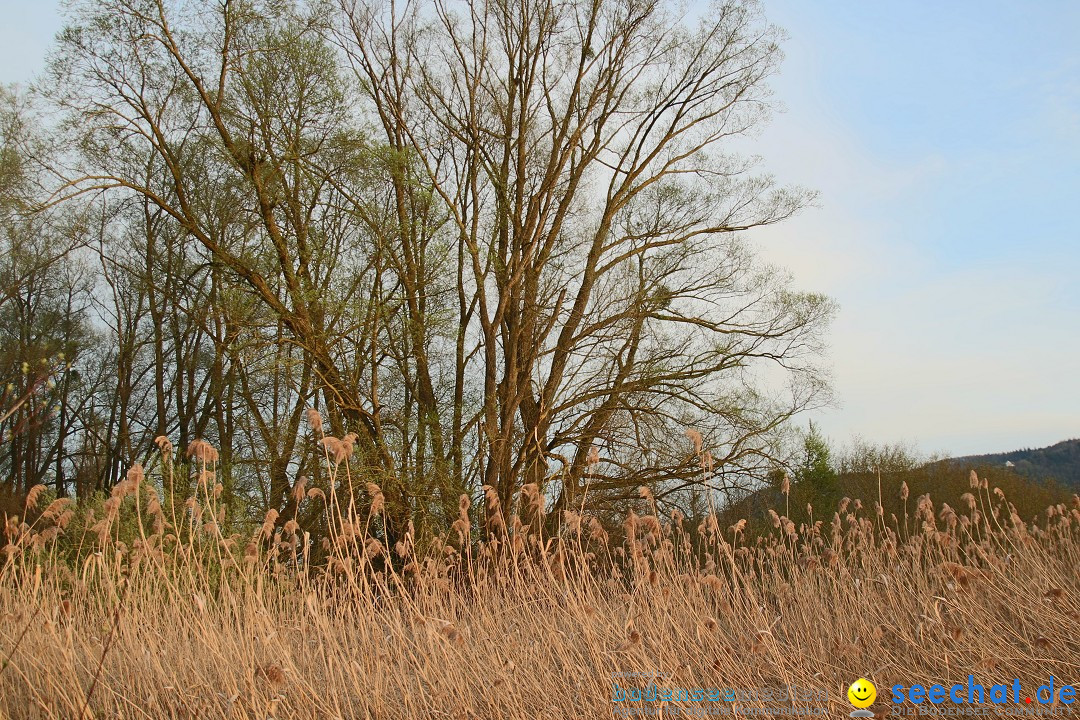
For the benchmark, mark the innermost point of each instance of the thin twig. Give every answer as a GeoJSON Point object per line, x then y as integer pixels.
{"type": "Point", "coordinates": [105, 649]}
{"type": "Point", "coordinates": [18, 642]}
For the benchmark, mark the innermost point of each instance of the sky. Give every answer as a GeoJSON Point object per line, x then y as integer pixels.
{"type": "Point", "coordinates": [944, 140]}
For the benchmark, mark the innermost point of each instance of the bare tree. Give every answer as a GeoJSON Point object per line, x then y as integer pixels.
{"type": "Point", "coordinates": [579, 149]}
{"type": "Point", "coordinates": [44, 309]}
{"type": "Point", "coordinates": [501, 241]}
{"type": "Point", "coordinates": [213, 118]}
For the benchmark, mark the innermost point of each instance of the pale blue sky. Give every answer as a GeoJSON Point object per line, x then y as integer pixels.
{"type": "Point", "coordinates": [945, 141]}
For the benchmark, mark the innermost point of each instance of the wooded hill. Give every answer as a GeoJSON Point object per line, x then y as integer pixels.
{"type": "Point", "coordinates": [1060, 462]}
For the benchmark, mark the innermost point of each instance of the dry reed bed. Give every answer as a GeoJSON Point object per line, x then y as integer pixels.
{"type": "Point", "coordinates": [189, 624]}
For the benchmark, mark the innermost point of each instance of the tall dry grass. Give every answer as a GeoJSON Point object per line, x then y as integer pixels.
{"type": "Point", "coordinates": [183, 622]}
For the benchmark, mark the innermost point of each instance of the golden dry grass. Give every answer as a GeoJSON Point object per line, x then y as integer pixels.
{"type": "Point", "coordinates": [188, 624]}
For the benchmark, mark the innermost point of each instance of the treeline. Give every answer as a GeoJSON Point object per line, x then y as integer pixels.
{"type": "Point", "coordinates": [890, 483]}
{"type": "Point", "coordinates": [492, 243]}
{"type": "Point", "coordinates": [1060, 462]}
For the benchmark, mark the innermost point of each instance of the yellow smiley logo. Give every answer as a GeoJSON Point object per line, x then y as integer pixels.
{"type": "Point", "coordinates": [862, 693]}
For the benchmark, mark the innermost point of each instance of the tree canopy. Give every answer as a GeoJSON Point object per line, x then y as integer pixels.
{"type": "Point", "coordinates": [497, 243]}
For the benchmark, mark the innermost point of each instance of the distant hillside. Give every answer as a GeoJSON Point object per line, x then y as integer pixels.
{"type": "Point", "coordinates": [1059, 462]}
{"type": "Point", "coordinates": [1035, 480]}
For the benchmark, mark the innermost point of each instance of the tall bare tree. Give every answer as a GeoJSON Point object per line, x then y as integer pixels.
{"type": "Point", "coordinates": [499, 240]}
{"type": "Point", "coordinates": [580, 149]}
